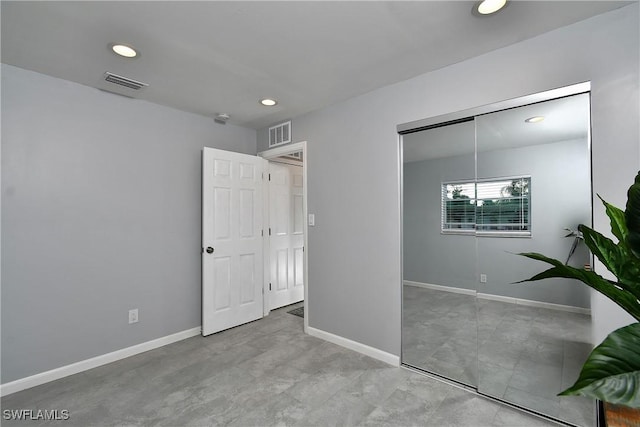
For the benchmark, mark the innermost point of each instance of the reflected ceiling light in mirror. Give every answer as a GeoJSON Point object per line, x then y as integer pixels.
{"type": "Point", "coordinates": [124, 50]}
{"type": "Point", "coordinates": [487, 7]}
{"type": "Point", "coordinates": [268, 102]}
{"type": "Point", "coordinates": [534, 119]}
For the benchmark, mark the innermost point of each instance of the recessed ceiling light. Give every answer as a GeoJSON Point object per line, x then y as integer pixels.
{"type": "Point", "coordinates": [268, 102]}
{"type": "Point", "coordinates": [487, 7]}
{"type": "Point", "coordinates": [124, 50]}
{"type": "Point", "coordinates": [535, 119]}
{"type": "Point", "coordinates": [221, 118]}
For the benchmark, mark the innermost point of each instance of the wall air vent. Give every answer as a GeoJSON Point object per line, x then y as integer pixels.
{"type": "Point", "coordinates": [124, 81]}
{"type": "Point", "coordinates": [280, 134]}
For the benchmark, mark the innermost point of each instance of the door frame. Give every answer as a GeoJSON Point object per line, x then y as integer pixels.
{"type": "Point", "coordinates": [272, 154]}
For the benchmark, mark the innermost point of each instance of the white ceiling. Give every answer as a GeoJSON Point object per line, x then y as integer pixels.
{"type": "Point", "coordinates": [212, 57]}
{"type": "Point", "coordinates": [565, 119]}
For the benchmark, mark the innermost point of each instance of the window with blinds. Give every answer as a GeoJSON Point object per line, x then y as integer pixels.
{"type": "Point", "coordinates": [490, 207]}
{"type": "Point", "coordinates": [459, 207]}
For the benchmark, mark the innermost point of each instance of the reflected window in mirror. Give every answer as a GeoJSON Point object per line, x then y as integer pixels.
{"type": "Point", "coordinates": [492, 207]}
{"type": "Point", "coordinates": [459, 207]}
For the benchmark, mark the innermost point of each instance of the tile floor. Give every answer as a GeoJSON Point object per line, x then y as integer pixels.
{"type": "Point", "coordinates": [265, 373]}
{"type": "Point", "coordinates": [525, 355]}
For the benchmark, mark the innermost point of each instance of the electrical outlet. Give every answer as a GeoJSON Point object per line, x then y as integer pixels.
{"type": "Point", "coordinates": [483, 278]}
{"type": "Point", "coordinates": [133, 316]}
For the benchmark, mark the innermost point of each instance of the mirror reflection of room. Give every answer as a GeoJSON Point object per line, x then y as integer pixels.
{"type": "Point", "coordinates": [474, 195]}
{"type": "Point", "coordinates": [439, 305]}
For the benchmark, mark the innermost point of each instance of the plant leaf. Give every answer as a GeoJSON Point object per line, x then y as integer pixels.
{"type": "Point", "coordinates": [616, 258]}
{"type": "Point", "coordinates": [611, 290]}
{"type": "Point", "coordinates": [632, 217]}
{"type": "Point", "coordinates": [603, 248]}
{"type": "Point", "coordinates": [618, 222]}
{"type": "Point", "coordinates": [612, 370]}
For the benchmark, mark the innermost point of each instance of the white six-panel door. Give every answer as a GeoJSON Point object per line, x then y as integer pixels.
{"type": "Point", "coordinates": [232, 222]}
{"type": "Point", "coordinates": [286, 245]}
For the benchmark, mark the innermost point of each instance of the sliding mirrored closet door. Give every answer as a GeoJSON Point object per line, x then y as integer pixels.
{"type": "Point", "coordinates": [534, 186]}
{"type": "Point", "coordinates": [476, 193]}
{"type": "Point", "coordinates": [439, 290]}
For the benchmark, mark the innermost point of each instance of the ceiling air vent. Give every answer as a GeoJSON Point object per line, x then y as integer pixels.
{"type": "Point", "coordinates": [280, 134]}
{"type": "Point", "coordinates": [123, 81]}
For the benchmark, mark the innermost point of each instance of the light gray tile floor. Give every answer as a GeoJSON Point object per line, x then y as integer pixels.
{"type": "Point", "coordinates": [266, 373]}
{"type": "Point", "coordinates": [521, 354]}
{"type": "Point", "coordinates": [440, 333]}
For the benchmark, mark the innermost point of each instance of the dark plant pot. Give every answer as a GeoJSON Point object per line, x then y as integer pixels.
{"type": "Point", "coordinates": [621, 416]}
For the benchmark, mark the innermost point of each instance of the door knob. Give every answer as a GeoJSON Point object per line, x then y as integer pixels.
{"type": "Point", "coordinates": [209, 250]}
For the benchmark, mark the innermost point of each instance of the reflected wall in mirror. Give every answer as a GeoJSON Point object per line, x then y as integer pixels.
{"type": "Point", "coordinates": [474, 194]}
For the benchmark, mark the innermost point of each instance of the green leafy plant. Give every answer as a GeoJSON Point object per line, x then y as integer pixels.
{"type": "Point", "coordinates": [612, 370]}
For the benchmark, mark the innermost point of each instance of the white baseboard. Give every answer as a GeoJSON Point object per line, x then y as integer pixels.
{"type": "Point", "coordinates": [511, 300]}
{"type": "Point", "coordinates": [94, 362]}
{"type": "Point", "coordinates": [375, 353]}
{"type": "Point", "coordinates": [532, 303]}
{"type": "Point", "coordinates": [440, 288]}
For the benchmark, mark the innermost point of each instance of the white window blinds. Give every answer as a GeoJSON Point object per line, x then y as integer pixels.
{"type": "Point", "coordinates": [498, 206]}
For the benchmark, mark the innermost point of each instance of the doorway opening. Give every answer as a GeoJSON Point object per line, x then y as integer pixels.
{"type": "Point", "coordinates": [286, 252]}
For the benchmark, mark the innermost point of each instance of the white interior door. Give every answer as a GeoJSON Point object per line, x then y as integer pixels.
{"type": "Point", "coordinates": [286, 243]}
{"type": "Point", "coordinates": [232, 256]}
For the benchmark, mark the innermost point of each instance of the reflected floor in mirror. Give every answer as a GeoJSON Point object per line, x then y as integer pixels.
{"type": "Point", "coordinates": [525, 355]}
{"type": "Point", "coordinates": [439, 333]}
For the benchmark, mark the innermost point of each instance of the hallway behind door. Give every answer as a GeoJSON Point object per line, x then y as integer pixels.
{"type": "Point", "coordinates": [286, 225]}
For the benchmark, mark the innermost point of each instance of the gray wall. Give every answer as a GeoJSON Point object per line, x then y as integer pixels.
{"type": "Point", "coordinates": [428, 255]}
{"type": "Point", "coordinates": [457, 261]}
{"type": "Point", "coordinates": [354, 249]}
{"type": "Point", "coordinates": [100, 214]}
{"type": "Point", "coordinates": [560, 197]}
